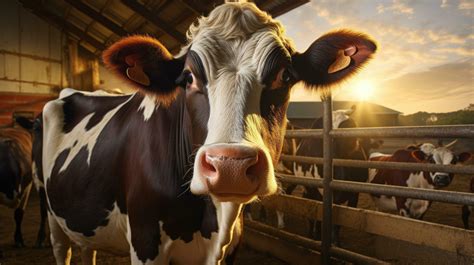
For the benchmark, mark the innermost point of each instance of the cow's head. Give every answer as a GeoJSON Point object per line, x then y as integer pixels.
{"type": "Point", "coordinates": [441, 155]}
{"type": "Point", "coordinates": [237, 68]}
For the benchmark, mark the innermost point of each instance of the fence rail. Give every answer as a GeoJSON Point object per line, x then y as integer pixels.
{"type": "Point", "coordinates": [457, 169]}
{"type": "Point", "coordinates": [442, 131]}
{"type": "Point", "coordinates": [328, 134]}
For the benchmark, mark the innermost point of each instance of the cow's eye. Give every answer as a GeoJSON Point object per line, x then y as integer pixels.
{"type": "Point", "coordinates": [286, 76]}
{"type": "Point", "coordinates": [283, 79]}
{"type": "Point", "coordinates": [188, 78]}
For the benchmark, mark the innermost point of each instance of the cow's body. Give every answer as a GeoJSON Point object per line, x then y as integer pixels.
{"type": "Point", "coordinates": [118, 170]}
{"type": "Point", "coordinates": [15, 174]}
{"type": "Point", "coordinates": [467, 209]}
{"type": "Point", "coordinates": [170, 219]}
{"type": "Point", "coordinates": [425, 153]}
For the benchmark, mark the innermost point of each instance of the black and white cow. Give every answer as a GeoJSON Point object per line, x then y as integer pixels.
{"type": "Point", "coordinates": [347, 148]}
{"type": "Point", "coordinates": [117, 169]}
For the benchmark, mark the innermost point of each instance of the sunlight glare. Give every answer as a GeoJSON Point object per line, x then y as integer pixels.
{"type": "Point", "coordinates": [363, 90]}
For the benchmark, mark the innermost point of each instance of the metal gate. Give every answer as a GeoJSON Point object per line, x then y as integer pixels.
{"type": "Point", "coordinates": [328, 134]}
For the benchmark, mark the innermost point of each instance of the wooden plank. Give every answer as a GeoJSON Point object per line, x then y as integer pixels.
{"type": "Point", "coordinates": [90, 12]}
{"type": "Point", "coordinates": [39, 10]}
{"type": "Point", "coordinates": [410, 230]}
{"type": "Point", "coordinates": [280, 249]}
{"type": "Point", "coordinates": [149, 15]}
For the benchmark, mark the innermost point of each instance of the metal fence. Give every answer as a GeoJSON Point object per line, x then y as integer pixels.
{"type": "Point", "coordinates": [328, 134]}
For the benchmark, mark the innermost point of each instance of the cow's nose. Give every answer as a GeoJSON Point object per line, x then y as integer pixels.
{"type": "Point", "coordinates": [441, 180]}
{"type": "Point", "coordinates": [232, 170]}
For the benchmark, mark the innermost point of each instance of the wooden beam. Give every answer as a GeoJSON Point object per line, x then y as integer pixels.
{"type": "Point", "coordinates": [39, 10]}
{"type": "Point", "coordinates": [447, 238]}
{"type": "Point", "coordinates": [97, 16]}
{"type": "Point", "coordinates": [149, 15]}
{"type": "Point", "coordinates": [196, 7]}
{"type": "Point", "coordinates": [285, 7]}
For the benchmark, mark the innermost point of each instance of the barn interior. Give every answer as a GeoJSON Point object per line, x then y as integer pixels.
{"type": "Point", "coordinates": [52, 44]}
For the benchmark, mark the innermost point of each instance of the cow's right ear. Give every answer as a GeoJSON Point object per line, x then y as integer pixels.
{"type": "Point", "coordinates": [333, 58]}
{"type": "Point", "coordinates": [418, 155]}
{"type": "Point", "coordinates": [145, 64]}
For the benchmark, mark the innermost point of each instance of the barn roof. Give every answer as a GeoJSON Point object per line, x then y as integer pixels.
{"type": "Point", "coordinates": [314, 109]}
{"type": "Point", "coordinates": [98, 23]}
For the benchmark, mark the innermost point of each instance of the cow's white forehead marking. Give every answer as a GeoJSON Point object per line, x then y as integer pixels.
{"type": "Point", "coordinates": [443, 156]}
{"type": "Point", "coordinates": [338, 117]}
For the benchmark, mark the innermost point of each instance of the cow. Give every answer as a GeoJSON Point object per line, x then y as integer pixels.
{"type": "Point", "coordinates": [161, 175]}
{"type": "Point", "coordinates": [467, 209]}
{"type": "Point", "coordinates": [15, 173]}
{"type": "Point", "coordinates": [345, 148]}
{"type": "Point", "coordinates": [424, 153]}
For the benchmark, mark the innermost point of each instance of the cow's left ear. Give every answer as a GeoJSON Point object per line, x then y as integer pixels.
{"type": "Point", "coordinates": [145, 64]}
{"type": "Point", "coordinates": [332, 58]}
{"type": "Point", "coordinates": [464, 156]}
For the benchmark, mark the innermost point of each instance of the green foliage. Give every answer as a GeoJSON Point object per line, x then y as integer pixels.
{"type": "Point", "coordinates": [449, 118]}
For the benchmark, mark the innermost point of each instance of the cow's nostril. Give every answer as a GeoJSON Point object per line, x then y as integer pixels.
{"type": "Point", "coordinates": [256, 169]}
{"type": "Point", "coordinates": [207, 163]}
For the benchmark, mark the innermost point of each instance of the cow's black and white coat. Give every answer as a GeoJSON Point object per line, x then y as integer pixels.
{"type": "Point", "coordinates": [118, 170]}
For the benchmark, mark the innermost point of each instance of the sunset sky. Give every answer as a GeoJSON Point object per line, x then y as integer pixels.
{"type": "Point", "coordinates": [425, 60]}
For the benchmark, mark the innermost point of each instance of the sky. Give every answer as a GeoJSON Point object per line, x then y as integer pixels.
{"type": "Point", "coordinates": [425, 57]}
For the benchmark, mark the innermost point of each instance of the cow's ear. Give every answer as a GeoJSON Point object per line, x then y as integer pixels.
{"type": "Point", "coordinates": [145, 64]}
{"type": "Point", "coordinates": [464, 157]}
{"type": "Point", "coordinates": [418, 155]}
{"type": "Point", "coordinates": [24, 122]}
{"type": "Point", "coordinates": [332, 58]}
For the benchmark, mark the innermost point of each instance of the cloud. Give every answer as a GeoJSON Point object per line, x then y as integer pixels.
{"type": "Point", "coordinates": [447, 87]}
{"type": "Point", "coordinates": [458, 51]}
{"type": "Point", "coordinates": [397, 7]}
{"type": "Point", "coordinates": [466, 5]}
{"type": "Point", "coordinates": [444, 4]}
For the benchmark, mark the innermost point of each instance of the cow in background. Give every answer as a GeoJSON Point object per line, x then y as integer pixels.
{"type": "Point", "coordinates": [114, 167]}
{"type": "Point", "coordinates": [15, 172]}
{"type": "Point", "coordinates": [467, 209]}
{"type": "Point", "coordinates": [424, 153]}
{"type": "Point", "coordinates": [344, 148]}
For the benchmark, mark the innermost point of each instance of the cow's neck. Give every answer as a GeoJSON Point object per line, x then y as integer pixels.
{"type": "Point", "coordinates": [228, 216]}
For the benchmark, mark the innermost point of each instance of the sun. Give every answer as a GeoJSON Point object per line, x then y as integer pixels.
{"type": "Point", "coordinates": [363, 90]}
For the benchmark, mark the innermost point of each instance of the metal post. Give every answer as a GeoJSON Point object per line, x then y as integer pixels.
{"type": "Point", "coordinates": [327, 178]}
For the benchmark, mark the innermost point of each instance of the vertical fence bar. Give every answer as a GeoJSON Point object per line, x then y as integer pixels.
{"type": "Point", "coordinates": [327, 178]}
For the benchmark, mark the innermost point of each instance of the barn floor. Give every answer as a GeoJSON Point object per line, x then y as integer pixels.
{"type": "Point", "coordinates": [364, 243]}
{"type": "Point", "coordinates": [31, 255]}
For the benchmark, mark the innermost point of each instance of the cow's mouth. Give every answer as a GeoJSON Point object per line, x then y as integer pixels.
{"type": "Point", "coordinates": [235, 197]}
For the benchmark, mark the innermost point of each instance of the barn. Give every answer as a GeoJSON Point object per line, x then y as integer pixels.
{"type": "Point", "coordinates": [52, 44]}
{"type": "Point", "coordinates": [48, 45]}
{"type": "Point", "coordinates": [367, 114]}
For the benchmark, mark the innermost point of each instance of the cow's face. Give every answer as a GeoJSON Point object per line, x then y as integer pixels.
{"type": "Point", "coordinates": [237, 69]}
{"type": "Point", "coordinates": [441, 155]}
